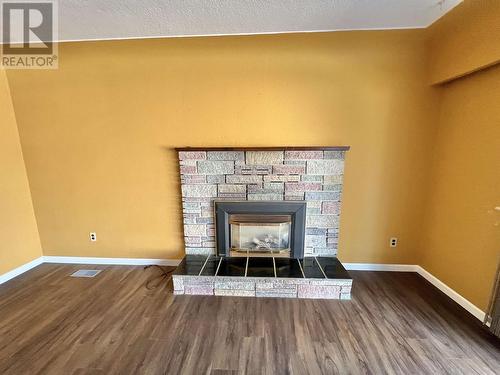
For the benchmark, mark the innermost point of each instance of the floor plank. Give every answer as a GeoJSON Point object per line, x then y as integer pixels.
{"type": "Point", "coordinates": [396, 323]}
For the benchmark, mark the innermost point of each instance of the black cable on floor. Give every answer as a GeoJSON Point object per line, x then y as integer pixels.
{"type": "Point", "coordinates": [166, 275]}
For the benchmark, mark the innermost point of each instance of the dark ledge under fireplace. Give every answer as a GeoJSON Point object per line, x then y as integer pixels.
{"type": "Point", "coordinates": [311, 277]}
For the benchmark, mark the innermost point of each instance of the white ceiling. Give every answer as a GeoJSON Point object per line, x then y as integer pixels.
{"type": "Point", "coordinates": [122, 19]}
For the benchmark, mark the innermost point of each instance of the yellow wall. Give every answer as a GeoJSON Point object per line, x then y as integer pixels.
{"type": "Point", "coordinates": [465, 40]}
{"type": "Point", "coordinates": [461, 233]}
{"type": "Point", "coordinates": [18, 231]}
{"type": "Point", "coordinates": [98, 133]}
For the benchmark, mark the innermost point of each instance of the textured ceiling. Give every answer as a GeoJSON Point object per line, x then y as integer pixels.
{"type": "Point", "coordinates": [118, 19]}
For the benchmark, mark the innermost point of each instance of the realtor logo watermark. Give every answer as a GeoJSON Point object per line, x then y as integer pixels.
{"type": "Point", "coordinates": [29, 29]}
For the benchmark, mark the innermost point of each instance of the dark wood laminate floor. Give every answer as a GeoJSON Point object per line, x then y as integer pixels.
{"type": "Point", "coordinates": [396, 323]}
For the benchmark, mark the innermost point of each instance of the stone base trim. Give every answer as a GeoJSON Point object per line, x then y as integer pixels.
{"type": "Point", "coordinates": [262, 287]}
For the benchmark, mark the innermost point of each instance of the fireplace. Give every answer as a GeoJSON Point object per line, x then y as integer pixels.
{"type": "Point", "coordinates": [260, 228]}
{"type": "Point", "coordinates": [262, 222]}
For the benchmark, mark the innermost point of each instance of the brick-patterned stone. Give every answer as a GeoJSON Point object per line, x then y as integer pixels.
{"type": "Point", "coordinates": [281, 178]}
{"type": "Point", "coordinates": [277, 186]}
{"type": "Point", "coordinates": [296, 177]}
{"type": "Point", "coordinates": [193, 179]}
{"type": "Point", "coordinates": [325, 167]}
{"type": "Point", "coordinates": [253, 169]}
{"type": "Point", "coordinates": [322, 195]}
{"type": "Point", "coordinates": [289, 169]}
{"type": "Point", "coordinates": [178, 282]}
{"type": "Point", "coordinates": [207, 212]}
{"type": "Point", "coordinates": [192, 155]}
{"type": "Point", "coordinates": [294, 196]}
{"type": "Point", "coordinates": [334, 155]}
{"type": "Point", "coordinates": [239, 285]}
{"type": "Point", "coordinates": [204, 220]}
{"type": "Point", "coordinates": [199, 190]}
{"type": "Point", "coordinates": [321, 221]}
{"type": "Point", "coordinates": [202, 200]}
{"type": "Point", "coordinates": [318, 291]}
{"type": "Point", "coordinates": [316, 231]}
{"type": "Point", "coordinates": [191, 205]}
{"type": "Point", "coordinates": [234, 292]}
{"type": "Point", "coordinates": [296, 162]}
{"type": "Point", "coordinates": [332, 241]}
{"type": "Point", "coordinates": [188, 169]}
{"type": "Point", "coordinates": [314, 204]}
{"type": "Point", "coordinates": [336, 187]}
{"type": "Point", "coordinates": [265, 197]}
{"type": "Point", "coordinates": [309, 178]}
{"type": "Point", "coordinates": [302, 186]}
{"type": "Point", "coordinates": [188, 162]}
{"type": "Point", "coordinates": [264, 157]}
{"type": "Point", "coordinates": [199, 250]}
{"type": "Point", "coordinates": [303, 155]}
{"type": "Point", "coordinates": [232, 196]}
{"type": "Point", "coordinates": [276, 294]}
{"type": "Point", "coordinates": [196, 241]}
{"type": "Point", "coordinates": [216, 179]}
{"type": "Point", "coordinates": [330, 207]}
{"type": "Point", "coordinates": [240, 179]}
{"type": "Point", "coordinates": [315, 240]}
{"type": "Point", "coordinates": [190, 218]}
{"type": "Point", "coordinates": [199, 290]}
{"type": "Point", "coordinates": [195, 230]}
{"type": "Point", "coordinates": [227, 188]}
{"type": "Point", "coordinates": [216, 167]}
{"type": "Point", "coordinates": [261, 190]}
{"type": "Point", "coordinates": [333, 179]}
{"type": "Point", "coordinates": [226, 155]}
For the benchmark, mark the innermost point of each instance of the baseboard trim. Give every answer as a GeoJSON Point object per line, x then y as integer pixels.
{"type": "Point", "coordinates": [20, 270]}
{"type": "Point", "coordinates": [380, 267]}
{"type": "Point", "coordinates": [111, 261]}
{"type": "Point", "coordinates": [466, 304]}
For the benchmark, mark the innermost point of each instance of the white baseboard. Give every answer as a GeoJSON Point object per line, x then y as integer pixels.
{"type": "Point", "coordinates": [111, 261]}
{"type": "Point", "coordinates": [466, 304]}
{"type": "Point", "coordinates": [380, 267]}
{"type": "Point", "coordinates": [20, 270]}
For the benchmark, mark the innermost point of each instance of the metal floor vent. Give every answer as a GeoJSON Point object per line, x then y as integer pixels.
{"type": "Point", "coordinates": [85, 273]}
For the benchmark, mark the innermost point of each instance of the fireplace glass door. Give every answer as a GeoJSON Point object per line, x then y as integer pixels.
{"type": "Point", "coordinates": [256, 235]}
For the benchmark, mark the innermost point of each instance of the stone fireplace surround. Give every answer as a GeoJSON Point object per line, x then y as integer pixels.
{"type": "Point", "coordinates": [310, 174]}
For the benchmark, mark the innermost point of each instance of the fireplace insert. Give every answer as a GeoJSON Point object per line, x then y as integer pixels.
{"type": "Point", "coordinates": [260, 228]}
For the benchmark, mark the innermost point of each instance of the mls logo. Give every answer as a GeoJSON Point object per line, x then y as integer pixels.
{"type": "Point", "coordinates": [28, 32]}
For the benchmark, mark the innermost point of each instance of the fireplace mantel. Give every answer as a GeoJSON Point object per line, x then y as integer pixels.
{"type": "Point", "coordinates": [264, 148]}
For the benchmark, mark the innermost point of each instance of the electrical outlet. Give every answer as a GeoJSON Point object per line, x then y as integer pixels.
{"type": "Point", "coordinates": [393, 242]}
{"type": "Point", "coordinates": [93, 237]}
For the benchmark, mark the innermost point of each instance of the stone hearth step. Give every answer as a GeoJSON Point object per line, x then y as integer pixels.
{"type": "Point", "coordinates": [310, 277]}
